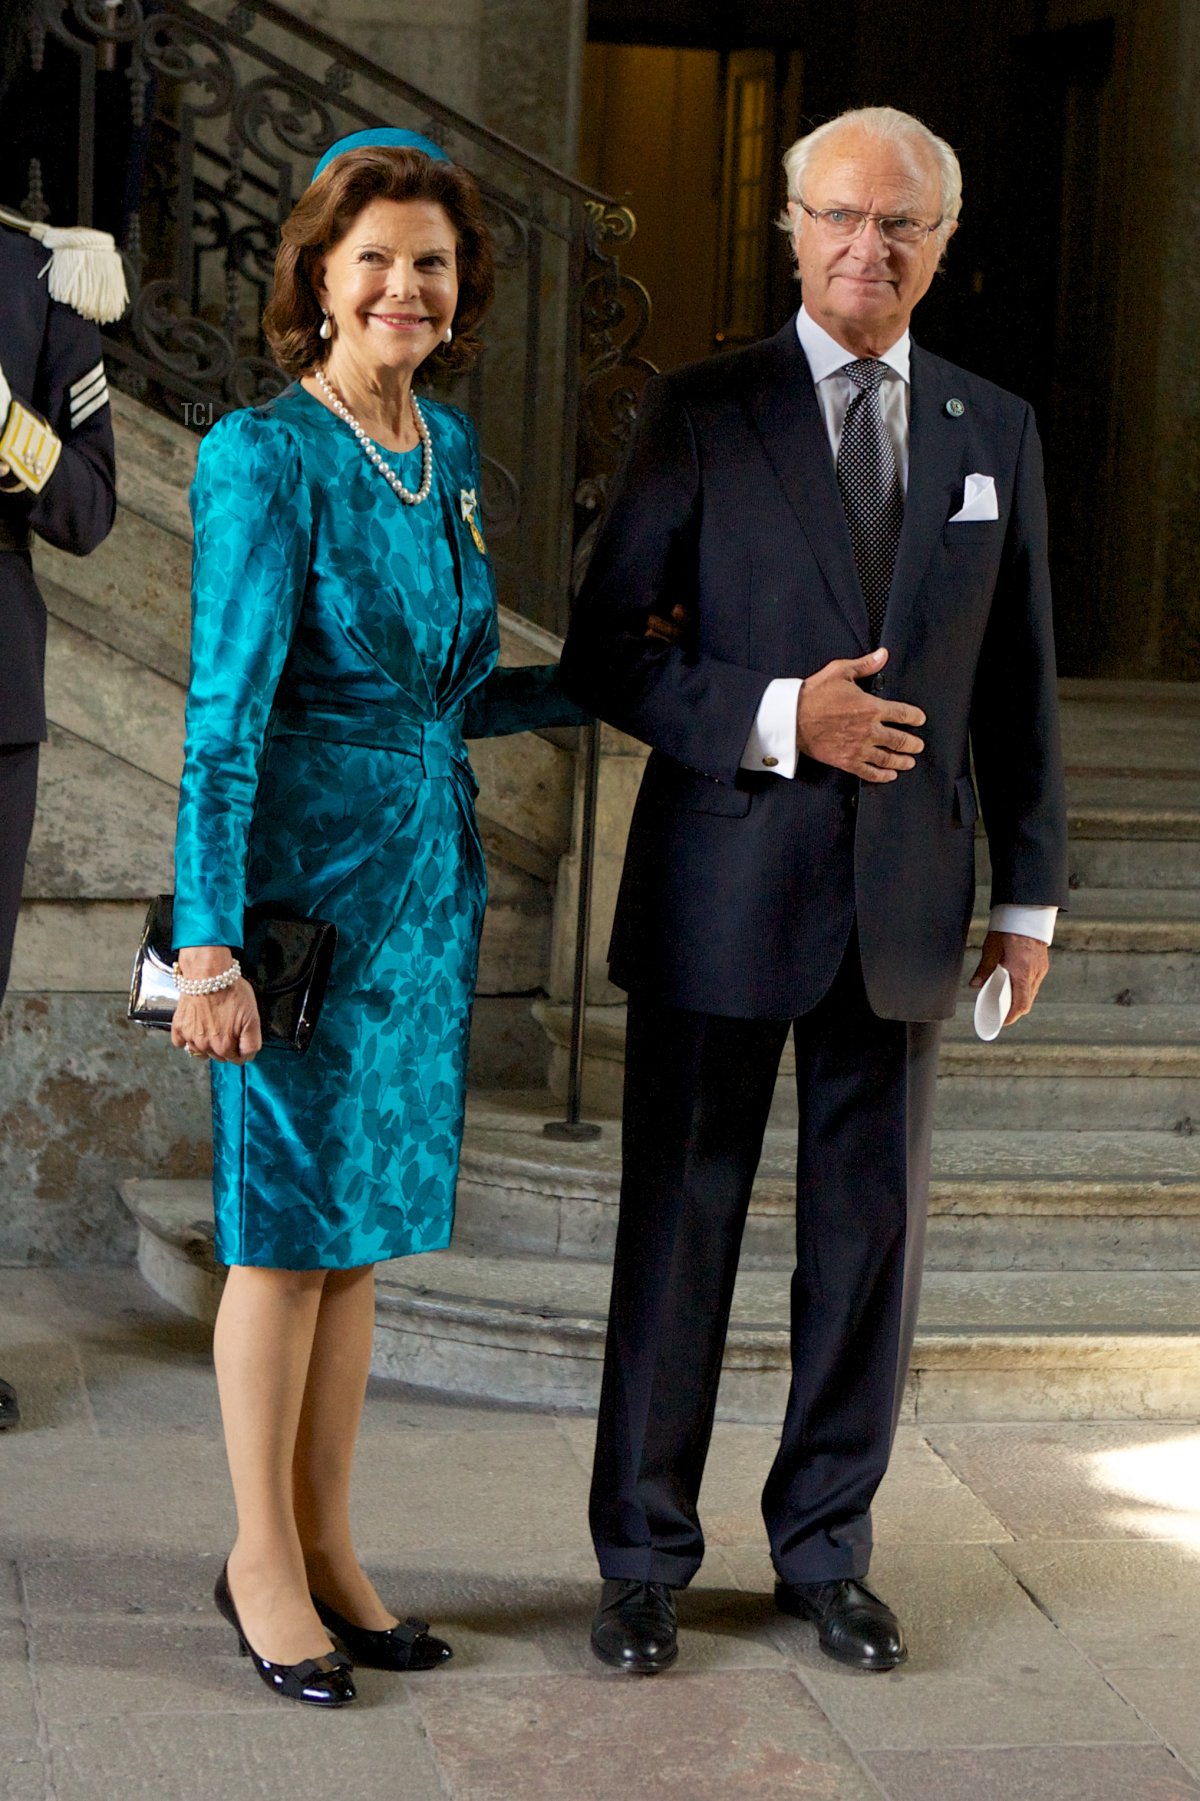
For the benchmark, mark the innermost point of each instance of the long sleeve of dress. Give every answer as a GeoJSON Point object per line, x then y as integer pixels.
{"type": "Point", "coordinates": [253, 520]}
{"type": "Point", "coordinates": [519, 699]}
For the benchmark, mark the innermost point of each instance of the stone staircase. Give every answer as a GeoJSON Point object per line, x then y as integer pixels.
{"type": "Point", "coordinates": [85, 1099]}
{"type": "Point", "coordinates": [1063, 1261]}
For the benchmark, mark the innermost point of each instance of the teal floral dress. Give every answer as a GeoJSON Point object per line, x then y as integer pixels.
{"type": "Point", "coordinates": [343, 644]}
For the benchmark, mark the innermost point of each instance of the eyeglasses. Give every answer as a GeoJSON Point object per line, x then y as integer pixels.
{"type": "Point", "coordinates": [844, 223]}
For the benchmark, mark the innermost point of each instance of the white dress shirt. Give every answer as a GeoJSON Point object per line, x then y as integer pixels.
{"type": "Point", "coordinates": [771, 745]}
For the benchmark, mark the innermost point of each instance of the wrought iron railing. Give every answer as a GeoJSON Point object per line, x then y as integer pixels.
{"type": "Point", "coordinates": [230, 108]}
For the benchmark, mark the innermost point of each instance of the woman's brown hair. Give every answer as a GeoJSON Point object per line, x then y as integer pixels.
{"type": "Point", "coordinates": [324, 214]}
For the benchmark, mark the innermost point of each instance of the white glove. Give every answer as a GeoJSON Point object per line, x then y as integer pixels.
{"type": "Point", "coordinates": [5, 403]}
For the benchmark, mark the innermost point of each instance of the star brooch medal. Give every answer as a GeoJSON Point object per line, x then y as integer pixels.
{"type": "Point", "coordinates": [469, 503]}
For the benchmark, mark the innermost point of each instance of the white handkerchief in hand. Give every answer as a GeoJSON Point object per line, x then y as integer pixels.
{"type": "Point", "coordinates": [979, 500]}
{"type": "Point", "coordinates": [992, 1004]}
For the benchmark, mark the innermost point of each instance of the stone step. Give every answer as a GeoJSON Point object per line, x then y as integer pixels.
{"type": "Point", "coordinates": [996, 1346]}
{"type": "Point", "coordinates": [76, 947]}
{"type": "Point", "coordinates": [1117, 1067]}
{"type": "Point", "coordinates": [1116, 918]}
{"type": "Point", "coordinates": [155, 465]}
{"type": "Point", "coordinates": [140, 578]}
{"type": "Point", "coordinates": [112, 700]}
{"type": "Point", "coordinates": [999, 1200]}
{"type": "Point", "coordinates": [1063, 1067]}
{"type": "Point", "coordinates": [105, 829]}
{"type": "Point", "coordinates": [1110, 861]}
{"type": "Point", "coordinates": [1137, 965]}
{"type": "Point", "coordinates": [1130, 725]}
{"type": "Point", "coordinates": [1128, 793]}
{"type": "Point", "coordinates": [1142, 944]}
{"type": "Point", "coordinates": [992, 1346]}
{"type": "Point", "coordinates": [1143, 846]}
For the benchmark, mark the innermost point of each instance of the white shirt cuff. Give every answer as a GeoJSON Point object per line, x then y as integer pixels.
{"type": "Point", "coordinates": [771, 745]}
{"type": "Point", "coordinates": [1029, 922]}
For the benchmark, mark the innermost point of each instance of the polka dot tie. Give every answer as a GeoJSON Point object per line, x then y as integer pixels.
{"type": "Point", "coordinates": [871, 490]}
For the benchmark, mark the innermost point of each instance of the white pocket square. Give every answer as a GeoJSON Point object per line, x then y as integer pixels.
{"type": "Point", "coordinates": [992, 1004]}
{"type": "Point", "coordinates": [979, 500]}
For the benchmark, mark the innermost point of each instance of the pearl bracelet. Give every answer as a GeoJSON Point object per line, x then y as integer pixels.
{"type": "Point", "coordinates": [208, 984]}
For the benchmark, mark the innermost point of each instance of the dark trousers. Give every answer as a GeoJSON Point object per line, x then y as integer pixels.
{"type": "Point", "coordinates": [698, 1091]}
{"type": "Point", "coordinates": [18, 796]}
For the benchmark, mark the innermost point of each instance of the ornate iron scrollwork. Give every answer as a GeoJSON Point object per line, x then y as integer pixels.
{"type": "Point", "coordinates": [174, 339]}
{"type": "Point", "coordinates": [615, 312]}
{"type": "Point", "coordinates": [252, 254]}
{"type": "Point", "coordinates": [500, 500]}
{"type": "Point", "coordinates": [253, 379]}
{"type": "Point", "coordinates": [510, 233]}
{"type": "Point", "coordinates": [177, 48]}
{"type": "Point", "coordinates": [299, 122]}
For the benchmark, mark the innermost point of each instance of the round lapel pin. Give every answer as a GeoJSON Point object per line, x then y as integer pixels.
{"type": "Point", "coordinates": [955, 408]}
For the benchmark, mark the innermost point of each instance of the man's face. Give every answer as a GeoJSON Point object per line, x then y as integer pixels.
{"type": "Point", "coordinates": [863, 290]}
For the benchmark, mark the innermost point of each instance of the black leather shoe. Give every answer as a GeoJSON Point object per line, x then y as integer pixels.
{"type": "Point", "coordinates": [321, 1681]}
{"type": "Point", "coordinates": [853, 1625]}
{"type": "Point", "coordinates": [634, 1628]}
{"type": "Point", "coordinates": [408, 1646]}
{"type": "Point", "coordinates": [10, 1413]}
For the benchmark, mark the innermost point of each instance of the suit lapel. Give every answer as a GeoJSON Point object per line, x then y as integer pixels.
{"type": "Point", "coordinates": [935, 453]}
{"type": "Point", "coordinates": [783, 410]}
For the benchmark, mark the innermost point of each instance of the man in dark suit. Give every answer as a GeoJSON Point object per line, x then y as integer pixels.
{"type": "Point", "coordinates": [57, 482]}
{"type": "Point", "coordinates": [821, 589]}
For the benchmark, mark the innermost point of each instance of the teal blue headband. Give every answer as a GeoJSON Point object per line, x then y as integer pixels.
{"type": "Point", "coordinates": [387, 136]}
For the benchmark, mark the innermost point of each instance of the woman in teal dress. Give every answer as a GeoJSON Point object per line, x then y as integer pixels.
{"type": "Point", "coordinates": [344, 644]}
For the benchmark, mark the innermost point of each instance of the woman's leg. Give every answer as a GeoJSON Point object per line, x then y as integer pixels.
{"type": "Point", "coordinates": [333, 1399]}
{"type": "Point", "coordinates": [262, 1347]}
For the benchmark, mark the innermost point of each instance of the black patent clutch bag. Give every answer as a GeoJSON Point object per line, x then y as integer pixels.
{"type": "Point", "coordinates": [286, 960]}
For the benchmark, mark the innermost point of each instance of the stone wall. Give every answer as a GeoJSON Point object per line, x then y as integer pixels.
{"type": "Point", "coordinates": [513, 65]}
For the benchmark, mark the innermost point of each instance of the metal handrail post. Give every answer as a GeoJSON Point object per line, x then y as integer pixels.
{"type": "Point", "coordinates": [573, 1126]}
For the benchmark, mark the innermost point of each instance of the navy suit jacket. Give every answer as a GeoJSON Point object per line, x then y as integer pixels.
{"type": "Point", "coordinates": [740, 889]}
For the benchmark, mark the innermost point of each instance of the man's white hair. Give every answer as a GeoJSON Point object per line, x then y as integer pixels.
{"type": "Point", "coordinates": [894, 127]}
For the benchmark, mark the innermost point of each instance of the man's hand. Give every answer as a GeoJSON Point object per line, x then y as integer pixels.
{"type": "Point", "coordinates": [669, 631]}
{"type": "Point", "coordinates": [837, 723]}
{"type": "Point", "coordinates": [1026, 960]}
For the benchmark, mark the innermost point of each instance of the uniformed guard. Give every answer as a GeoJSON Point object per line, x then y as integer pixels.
{"type": "Point", "coordinates": [57, 482]}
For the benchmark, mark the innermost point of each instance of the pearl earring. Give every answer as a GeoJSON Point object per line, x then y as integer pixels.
{"type": "Point", "coordinates": [326, 330]}
{"type": "Point", "coordinates": [448, 334]}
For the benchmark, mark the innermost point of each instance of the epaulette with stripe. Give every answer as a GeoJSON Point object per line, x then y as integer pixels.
{"type": "Point", "coordinates": [88, 394]}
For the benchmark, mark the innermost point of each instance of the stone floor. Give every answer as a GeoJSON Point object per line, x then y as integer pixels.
{"type": "Point", "coordinates": [1049, 1576]}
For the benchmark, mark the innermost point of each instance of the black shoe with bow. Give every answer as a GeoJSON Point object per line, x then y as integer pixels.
{"type": "Point", "coordinates": [408, 1646]}
{"type": "Point", "coordinates": [321, 1681]}
{"type": "Point", "coordinates": [635, 1628]}
{"type": "Point", "coordinates": [853, 1625]}
{"type": "Point", "coordinates": [10, 1413]}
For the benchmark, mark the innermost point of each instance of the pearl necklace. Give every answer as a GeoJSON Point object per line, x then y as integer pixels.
{"type": "Point", "coordinates": [369, 450]}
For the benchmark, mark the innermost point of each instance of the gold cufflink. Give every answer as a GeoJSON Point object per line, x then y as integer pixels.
{"type": "Point", "coordinates": [770, 762]}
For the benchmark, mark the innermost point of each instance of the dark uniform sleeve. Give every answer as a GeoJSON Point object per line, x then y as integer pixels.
{"type": "Point", "coordinates": [53, 365]}
{"type": "Point", "coordinates": [76, 508]}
